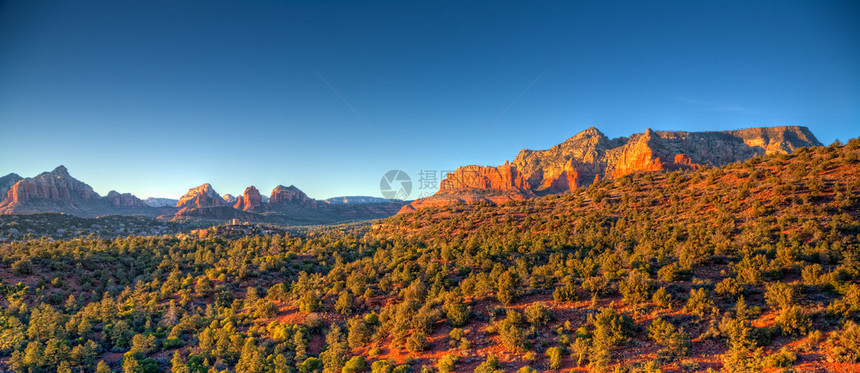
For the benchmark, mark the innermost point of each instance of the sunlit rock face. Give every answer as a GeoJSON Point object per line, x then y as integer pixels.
{"type": "Point", "coordinates": [250, 200]}
{"type": "Point", "coordinates": [590, 156]}
{"type": "Point", "coordinates": [57, 191]}
{"type": "Point", "coordinates": [201, 196]}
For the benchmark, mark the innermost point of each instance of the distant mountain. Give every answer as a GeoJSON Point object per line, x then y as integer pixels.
{"type": "Point", "coordinates": [590, 156]}
{"type": "Point", "coordinates": [6, 183]}
{"type": "Point", "coordinates": [229, 198]}
{"type": "Point", "coordinates": [57, 191]}
{"type": "Point", "coordinates": [160, 202]}
{"type": "Point", "coordinates": [286, 205]}
{"type": "Point", "coordinates": [348, 200]}
{"type": "Point", "coordinates": [250, 200]}
{"type": "Point", "coordinates": [201, 196]}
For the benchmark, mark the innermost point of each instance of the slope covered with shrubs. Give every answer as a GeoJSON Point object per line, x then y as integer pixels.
{"type": "Point", "coordinates": [749, 266]}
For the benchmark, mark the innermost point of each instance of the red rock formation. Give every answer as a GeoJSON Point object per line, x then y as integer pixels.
{"type": "Point", "coordinates": [201, 196]}
{"type": "Point", "coordinates": [47, 189]}
{"type": "Point", "coordinates": [590, 155]}
{"type": "Point", "coordinates": [290, 195]}
{"type": "Point", "coordinates": [637, 156]}
{"type": "Point", "coordinates": [57, 191]}
{"type": "Point", "coordinates": [6, 183]}
{"type": "Point", "coordinates": [249, 201]}
{"type": "Point", "coordinates": [503, 177]}
{"type": "Point", "coordinates": [124, 200]}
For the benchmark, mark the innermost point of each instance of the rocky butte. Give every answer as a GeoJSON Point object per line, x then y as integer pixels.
{"type": "Point", "coordinates": [590, 155]}
{"type": "Point", "coordinates": [250, 200]}
{"type": "Point", "coordinates": [57, 191]}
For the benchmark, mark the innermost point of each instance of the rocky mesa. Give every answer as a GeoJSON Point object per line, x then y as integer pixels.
{"type": "Point", "coordinates": [58, 191]}
{"type": "Point", "coordinates": [590, 155]}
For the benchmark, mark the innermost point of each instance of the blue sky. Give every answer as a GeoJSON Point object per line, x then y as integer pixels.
{"type": "Point", "coordinates": [155, 97]}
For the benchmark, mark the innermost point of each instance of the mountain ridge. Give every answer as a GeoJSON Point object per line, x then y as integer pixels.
{"type": "Point", "coordinates": [590, 156]}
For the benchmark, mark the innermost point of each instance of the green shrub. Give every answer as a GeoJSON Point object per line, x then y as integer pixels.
{"type": "Point", "coordinates": [311, 365]}
{"type": "Point", "coordinates": [511, 333]}
{"type": "Point", "coordinates": [457, 313]}
{"type": "Point", "coordinates": [355, 364]}
{"type": "Point", "coordinates": [728, 288]}
{"type": "Point", "coordinates": [700, 302]}
{"type": "Point", "coordinates": [491, 365]}
{"type": "Point", "coordinates": [662, 298]}
{"type": "Point", "coordinates": [553, 354]}
{"type": "Point", "coordinates": [636, 289]}
{"type": "Point", "coordinates": [793, 321]}
{"type": "Point", "coordinates": [674, 272]}
{"type": "Point", "coordinates": [845, 343]}
{"type": "Point", "coordinates": [448, 364]}
{"type": "Point", "coordinates": [23, 267]}
{"type": "Point", "coordinates": [779, 295]}
{"type": "Point", "coordinates": [538, 314]}
{"type": "Point", "coordinates": [506, 287]}
{"type": "Point", "coordinates": [417, 342]}
{"type": "Point", "coordinates": [381, 366]}
{"type": "Point", "coordinates": [782, 359]}
{"type": "Point", "coordinates": [564, 293]}
{"type": "Point", "coordinates": [674, 340]}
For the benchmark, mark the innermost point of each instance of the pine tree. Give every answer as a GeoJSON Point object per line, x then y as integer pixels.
{"type": "Point", "coordinates": [334, 356]}
{"type": "Point", "coordinates": [177, 364]}
{"type": "Point", "coordinates": [251, 360]}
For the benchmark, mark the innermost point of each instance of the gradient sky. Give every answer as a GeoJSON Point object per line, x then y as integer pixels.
{"type": "Point", "coordinates": [155, 97]}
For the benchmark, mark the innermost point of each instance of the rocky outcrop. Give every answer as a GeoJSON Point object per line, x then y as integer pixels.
{"type": "Point", "coordinates": [229, 198]}
{"type": "Point", "coordinates": [250, 200]}
{"type": "Point", "coordinates": [590, 156]}
{"type": "Point", "coordinates": [124, 200]}
{"type": "Point", "coordinates": [198, 197]}
{"type": "Point", "coordinates": [6, 183]}
{"type": "Point", "coordinates": [57, 191]}
{"type": "Point", "coordinates": [290, 195]}
{"type": "Point", "coordinates": [504, 177]}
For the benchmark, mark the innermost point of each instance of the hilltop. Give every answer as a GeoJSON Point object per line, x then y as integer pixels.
{"type": "Point", "coordinates": [590, 156]}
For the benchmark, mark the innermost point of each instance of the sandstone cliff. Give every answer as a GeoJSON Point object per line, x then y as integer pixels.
{"type": "Point", "coordinates": [590, 156]}
{"type": "Point", "coordinates": [124, 200]}
{"type": "Point", "coordinates": [290, 195]}
{"type": "Point", "coordinates": [250, 200]}
{"type": "Point", "coordinates": [57, 191]}
{"type": "Point", "coordinates": [6, 183]}
{"type": "Point", "coordinates": [198, 197]}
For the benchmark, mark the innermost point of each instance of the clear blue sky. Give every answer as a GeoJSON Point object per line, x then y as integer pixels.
{"type": "Point", "coordinates": [154, 97]}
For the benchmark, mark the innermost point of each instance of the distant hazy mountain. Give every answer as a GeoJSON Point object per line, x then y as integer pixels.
{"type": "Point", "coordinates": [160, 202]}
{"type": "Point", "coordinates": [346, 200]}
{"type": "Point", "coordinates": [286, 205]}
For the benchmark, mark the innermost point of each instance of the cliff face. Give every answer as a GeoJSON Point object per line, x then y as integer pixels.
{"type": "Point", "coordinates": [124, 200]}
{"type": "Point", "coordinates": [6, 183]}
{"type": "Point", "coordinates": [290, 196]}
{"type": "Point", "coordinates": [590, 156]}
{"type": "Point", "coordinates": [47, 190]}
{"type": "Point", "coordinates": [57, 191]}
{"type": "Point", "coordinates": [198, 197]}
{"type": "Point", "coordinates": [250, 200]}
